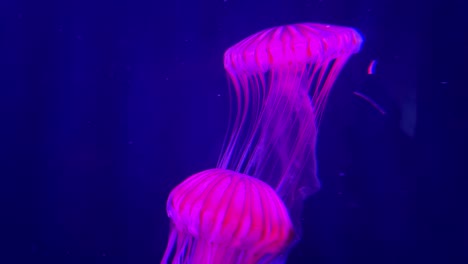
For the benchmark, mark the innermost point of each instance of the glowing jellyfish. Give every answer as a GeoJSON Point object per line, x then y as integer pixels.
{"type": "Point", "coordinates": [221, 216]}
{"type": "Point", "coordinates": [281, 78]}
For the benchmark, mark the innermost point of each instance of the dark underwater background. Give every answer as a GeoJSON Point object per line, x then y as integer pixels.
{"type": "Point", "coordinates": [107, 105]}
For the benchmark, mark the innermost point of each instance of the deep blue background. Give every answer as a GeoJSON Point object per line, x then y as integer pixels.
{"type": "Point", "coordinates": [107, 105]}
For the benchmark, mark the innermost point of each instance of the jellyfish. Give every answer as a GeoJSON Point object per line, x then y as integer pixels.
{"type": "Point", "coordinates": [280, 82]}
{"type": "Point", "coordinates": [222, 216]}
{"type": "Point", "coordinates": [247, 209]}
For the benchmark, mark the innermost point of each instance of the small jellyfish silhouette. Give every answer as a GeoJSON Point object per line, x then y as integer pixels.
{"type": "Point", "coordinates": [247, 210]}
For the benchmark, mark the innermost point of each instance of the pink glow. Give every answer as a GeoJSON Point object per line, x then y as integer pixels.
{"type": "Point", "coordinates": [221, 216]}
{"type": "Point", "coordinates": [371, 68]}
{"type": "Point", "coordinates": [280, 81]}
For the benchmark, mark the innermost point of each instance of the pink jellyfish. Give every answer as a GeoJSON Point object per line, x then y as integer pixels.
{"type": "Point", "coordinates": [221, 216]}
{"type": "Point", "coordinates": [281, 78]}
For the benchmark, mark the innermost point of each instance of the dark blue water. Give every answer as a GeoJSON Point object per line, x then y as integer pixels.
{"type": "Point", "coordinates": [107, 105]}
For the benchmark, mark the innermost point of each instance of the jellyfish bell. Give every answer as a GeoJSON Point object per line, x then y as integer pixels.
{"type": "Point", "coordinates": [281, 78]}
{"type": "Point", "coordinates": [222, 216]}
{"type": "Point", "coordinates": [290, 45]}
